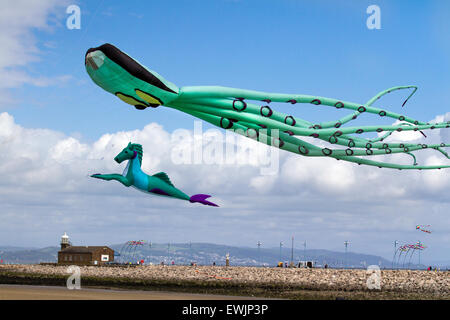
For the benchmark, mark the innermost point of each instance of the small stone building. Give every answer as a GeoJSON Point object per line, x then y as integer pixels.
{"type": "Point", "coordinates": [83, 255]}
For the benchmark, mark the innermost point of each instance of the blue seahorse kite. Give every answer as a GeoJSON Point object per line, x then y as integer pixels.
{"type": "Point", "coordinates": [157, 184]}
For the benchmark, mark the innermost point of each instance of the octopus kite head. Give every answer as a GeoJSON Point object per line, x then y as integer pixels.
{"type": "Point", "coordinates": [112, 69]}
{"type": "Point", "coordinates": [130, 152]}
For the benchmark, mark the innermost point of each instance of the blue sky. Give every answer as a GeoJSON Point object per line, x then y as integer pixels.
{"type": "Point", "coordinates": [309, 47]}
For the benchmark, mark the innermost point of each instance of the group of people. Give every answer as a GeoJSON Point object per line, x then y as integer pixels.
{"type": "Point", "coordinates": [281, 265]}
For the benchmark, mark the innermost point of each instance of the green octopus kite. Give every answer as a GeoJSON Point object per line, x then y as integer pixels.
{"type": "Point", "coordinates": [230, 108]}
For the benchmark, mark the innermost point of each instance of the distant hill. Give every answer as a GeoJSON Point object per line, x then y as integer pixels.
{"type": "Point", "coordinates": [23, 255]}
{"type": "Point", "coordinates": [206, 254]}
{"type": "Point", "coordinates": [12, 248]}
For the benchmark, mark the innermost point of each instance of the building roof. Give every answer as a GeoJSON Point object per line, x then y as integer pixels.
{"type": "Point", "coordinates": [83, 249]}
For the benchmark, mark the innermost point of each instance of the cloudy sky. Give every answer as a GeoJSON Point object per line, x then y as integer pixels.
{"type": "Point", "coordinates": [57, 126]}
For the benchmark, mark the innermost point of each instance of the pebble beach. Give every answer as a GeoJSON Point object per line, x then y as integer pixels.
{"type": "Point", "coordinates": [434, 283]}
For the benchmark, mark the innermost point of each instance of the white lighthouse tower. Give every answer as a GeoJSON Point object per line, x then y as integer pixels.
{"type": "Point", "coordinates": [65, 241]}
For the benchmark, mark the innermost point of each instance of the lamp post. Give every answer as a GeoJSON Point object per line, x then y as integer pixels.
{"type": "Point", "coordinates": [190, 251]}
{"type": "Point", "coordinates": [150, 257]}
{"type": "Point", "coordinates": [395, 251]}
{"type": "Point", "coordinates": [259, 251]}
{"type": "Point", "coordinates": [292, 252]}
{"type": "Point", "coordinates": [304, 251]}
{"type": "Point", "coordinates": [281, 245]}
{"type": "Point", "coordinates": [346, 243]}
{"type": "Point", "coordinates": [168, 255]}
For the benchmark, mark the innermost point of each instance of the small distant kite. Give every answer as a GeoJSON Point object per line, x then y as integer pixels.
{"type": "Point", "coordinates": [128, 250]}
{"type": "Point", "coordinates": [409, 248]}
{"type": "Point", "coordinates": [424, 228]}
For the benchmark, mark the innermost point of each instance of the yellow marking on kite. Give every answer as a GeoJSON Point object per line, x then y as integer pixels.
{"type": "Point", "coordinates": [147, 97]}
{"type": "Point", "coordinates": [129, 100]}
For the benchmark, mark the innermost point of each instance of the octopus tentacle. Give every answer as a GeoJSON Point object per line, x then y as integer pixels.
{"type": "Point", "coordinates": [414, 158]}
{"type": "Point", "coordinates": [382, 93]}
{"type": "Point", "coordinates": [391, 165]}
{"type": "Point", "coordinates": [270, 119]}
{"type": "Point", "coordinates": [235, 109]}
{"type": "Point", "coordinates": [192, 93]}
{"type": "Point", "coordinates": [442, 151]}
{"type": "Point", "coordinates": [210, 106]}
{"type": "Point", "coordinates": [354, 115]}
{"type": "Point", "coordinates": [341, 121]}
{"type": "Point", "coordinates": [239, 106]}
{"type": "Point", "coordinates": [280, 117]}
{"type": "Point", "coordinates": [288, 143]}
{"type": "Point", "coordinates": [372, 143]}
{"type": "Point", "coordinates": [275, 122]}
{"type": "Point", "coordinates": [293, 144]}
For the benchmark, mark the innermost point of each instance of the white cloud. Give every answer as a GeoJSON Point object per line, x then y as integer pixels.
{"type": "Point", "coordinates": [432, 136]}
{"type": "Point", "coordinates": [45, 183]}
{"type": "Point", "coordinates": [322, 174]}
